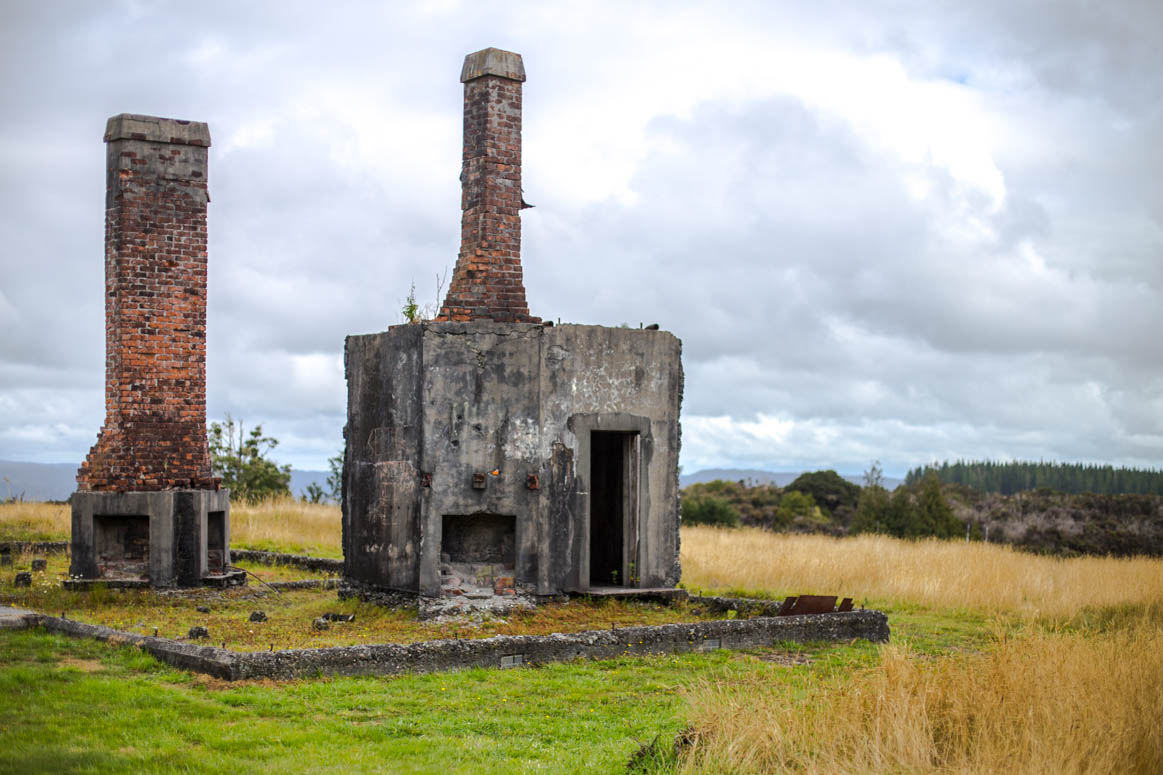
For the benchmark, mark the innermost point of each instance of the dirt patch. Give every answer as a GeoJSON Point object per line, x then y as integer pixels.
{"type": "Point", "coordinates": [84, 665]}
{"type": "Point", "coordinates": [213, 684]}
{"type": "Point", "coordinates": [784, 658]}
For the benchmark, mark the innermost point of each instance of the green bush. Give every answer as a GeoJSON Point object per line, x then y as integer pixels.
{"type": "Point", "coordinates": [241, 460]}
{"type": "Point", "coordinates": [709, 510]}
{"type": "Point", "coordinates": [800, 510]}
{"type": "Point", "coordinates": [828, 489]}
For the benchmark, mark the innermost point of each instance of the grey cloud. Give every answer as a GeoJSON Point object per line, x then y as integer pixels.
{"type": "Point", "coordinates": [779, 243]}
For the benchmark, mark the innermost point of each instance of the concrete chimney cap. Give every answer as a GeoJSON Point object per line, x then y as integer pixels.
{"type": "Point", "coordinates": [493, 61]}
{"type": "Point", "coordinates": [130, 126]}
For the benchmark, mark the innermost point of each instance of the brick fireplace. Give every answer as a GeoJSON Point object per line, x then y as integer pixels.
{"type": "Point", "coordinates": [147, 508]}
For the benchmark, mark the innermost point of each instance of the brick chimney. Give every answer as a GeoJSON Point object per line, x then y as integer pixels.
{"type": "Point", "coordinates": [154, 436]}
{"type": "Point", "coordinates": [487, 282]}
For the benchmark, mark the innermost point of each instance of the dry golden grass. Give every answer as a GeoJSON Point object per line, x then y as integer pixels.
{"type": "Point", "coordinates": [1059, 700]}
{"type": "Point", "coordinates": [943, 574]}
{"type": "Point", "coordinates": [33, 521]}
{"type": "Point", "coordinates": [1043, 704]}
{"type": "Point", "coordinates": [287, 525]}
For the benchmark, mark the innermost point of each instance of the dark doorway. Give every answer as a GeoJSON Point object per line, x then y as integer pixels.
{"type": "Point", "coordinates": [122, 544]}
{"type": "Point", "coordinates": [216, 543]}
{"type": "Point", "coordinates": [613, 507]}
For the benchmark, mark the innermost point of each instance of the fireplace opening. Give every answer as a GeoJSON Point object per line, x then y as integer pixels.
{"type": "Point", "coordinates": [480, 539]}
{"type": "Point", "coordinates": [478, 554]}
{"type": "Point", "coordinates": [216, 542]}
{"type": "Point", "coordinates": [122, 544]}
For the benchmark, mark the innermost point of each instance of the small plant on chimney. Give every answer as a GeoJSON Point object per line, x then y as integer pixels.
{"type": "Point", "coordinates": [413, 312]}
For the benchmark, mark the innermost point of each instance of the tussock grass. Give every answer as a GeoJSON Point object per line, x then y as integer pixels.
{"type": "Point", "coordinates": [34, 521]}
{"type": "Point", "coordinates": [941, 574]}
{"type": "Point", "coordinates": [282, 525]}
{"type": "Point", "coordinates": [287, 525]}
{"type": "Point", "coordinates": [1049, 703]}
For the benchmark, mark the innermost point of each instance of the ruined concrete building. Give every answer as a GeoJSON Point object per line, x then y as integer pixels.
{"type": "Point", "coordinates": [488, 453]}
{"type": "Point", "coordinates": [147, 509]}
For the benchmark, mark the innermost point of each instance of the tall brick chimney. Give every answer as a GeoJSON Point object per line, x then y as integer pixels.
{"type": "Point", "coordinates": [487, 282]}
{"type": "Point", "coordinates": [154, 436]}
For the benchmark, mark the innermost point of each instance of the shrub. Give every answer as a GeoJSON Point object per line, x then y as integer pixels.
{"type": "Point", "coordinates": [828, 489]}
{"type": "Point", "coordinates": [709, 510]}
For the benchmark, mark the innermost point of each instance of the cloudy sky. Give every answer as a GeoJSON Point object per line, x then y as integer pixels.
{"type": "Point", "coordinates": [888, 231]}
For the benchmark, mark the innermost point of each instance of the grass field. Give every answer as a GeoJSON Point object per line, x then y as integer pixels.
{"type": "Point", "coordinates": [285, 525]}
{"type": "Point", "coordinates": [1000, 662]}
{"type": "Point", "coordinates": [290, 613]}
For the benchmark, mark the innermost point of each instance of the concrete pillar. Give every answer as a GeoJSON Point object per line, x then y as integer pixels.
{"type": "Point", "coordinates": [154, 436]}
{"type": "Point", "coordinates": [487, 282]}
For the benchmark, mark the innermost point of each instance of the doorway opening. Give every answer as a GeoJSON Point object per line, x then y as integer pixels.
{"type": "Point", "coordinates": [613, 508]}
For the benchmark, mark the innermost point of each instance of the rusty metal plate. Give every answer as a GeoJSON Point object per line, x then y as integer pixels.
{"type": "Point", "coordinates": [813, 604]}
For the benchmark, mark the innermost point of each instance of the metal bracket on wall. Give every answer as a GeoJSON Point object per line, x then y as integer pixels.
{"type": "Point", "coordinates": [479, 481]}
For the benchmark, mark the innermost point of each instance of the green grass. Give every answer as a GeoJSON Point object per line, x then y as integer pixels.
{"type": "Point", "coordinates": [291, 612]}
{"type": "Point", "coordinates": [78, 706]}
{"type": "Point", "coordinates": [306, 548]}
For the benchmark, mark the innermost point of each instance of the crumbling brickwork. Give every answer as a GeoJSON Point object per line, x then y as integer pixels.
{"type": "Point", "coordinates": [154, 436]}
{"type": "Point", "coordinates": [487, 283]}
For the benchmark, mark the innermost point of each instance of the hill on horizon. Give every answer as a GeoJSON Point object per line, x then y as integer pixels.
{"type": "Point", "coordinates": [57, 481]}
{"type": "Point", "coordinates": [753, 476]}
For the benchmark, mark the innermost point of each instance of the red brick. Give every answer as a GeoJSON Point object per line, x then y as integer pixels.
{"type": "Point", "coordinates": [154, 435]}
{"type": "Point", "coordinates": [490, 204]}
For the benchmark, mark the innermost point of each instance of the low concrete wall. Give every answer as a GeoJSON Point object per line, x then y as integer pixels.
{"type": "Point", "coordinates": [498, 651]}
{"type": "Point", "coordinates": [34, 547]}
{"type": "Point", "coordinates": [305, 584]}
{"type": "Point", "coordinates": [201, 659]}
{"type": "Point", "coordinates": [317, 564]}
{"type": "Point", "coordinates": [747, 606]}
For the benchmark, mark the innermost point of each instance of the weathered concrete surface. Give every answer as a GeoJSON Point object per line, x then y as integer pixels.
{"type": "Point", "coordinates": [34, 547]}
{"type": "Point", "coordinates": [178, 531]}
{"type": "Point", "coordinates": [16, 618]}
{"type": "Point", "coordinates": [432, 405]}
{"type": "Point", "coordinates": [152, 129]}
{"type": "Point", "coordinates": [304, 584]}
{"type": "Point", "coordinates": [498, 651]}
{"type": "Point", "coordinates": [220, 663]}
{"type": "Point", "coordinates": [440, 655]}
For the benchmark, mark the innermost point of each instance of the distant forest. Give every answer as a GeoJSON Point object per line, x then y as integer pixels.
{"type": "Point", "coordinates": [1009, 478]}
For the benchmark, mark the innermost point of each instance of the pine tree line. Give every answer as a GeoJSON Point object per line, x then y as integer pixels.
{"type": "Point", "coordinates": [1008, 478]}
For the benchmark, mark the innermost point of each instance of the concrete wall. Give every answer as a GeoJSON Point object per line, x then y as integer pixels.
{"type": "Point", "coordinates": [177, 531]}
{"type": "Point", "coordinates": [495, 652]}
{"type": "Point", "coordinates": [431, 405]}
{"type": "Point", "coordinates": [381, 472]}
